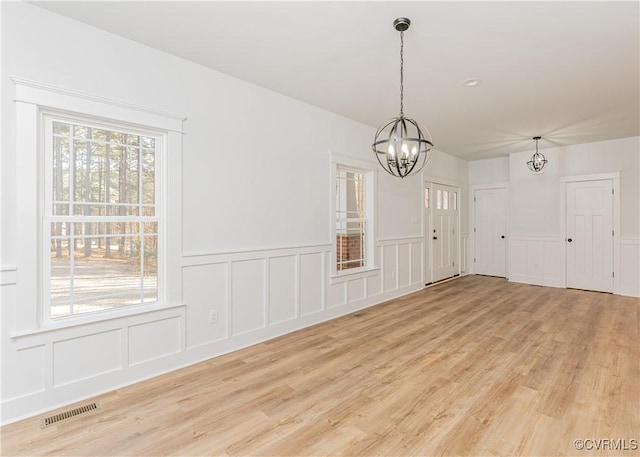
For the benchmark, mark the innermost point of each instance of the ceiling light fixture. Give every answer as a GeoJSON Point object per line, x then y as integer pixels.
{"type": "Point", "coordinates": [400, 145]}
{"type": "Point", "coordinates": [538, 160]}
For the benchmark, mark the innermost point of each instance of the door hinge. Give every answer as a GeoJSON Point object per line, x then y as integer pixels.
{"type": "Point", "coordinates": [474, 260]}
{"type": "Point", "coordinates": [613, 274]}
{"type": "Point", "coordinates": [613, 233]}
{"type": "Point", "coordinates": [474, 230]}
{"type": "Point", "coordinates": [612, 192]}
{"type": "Point", "coordinates": [474, 199]}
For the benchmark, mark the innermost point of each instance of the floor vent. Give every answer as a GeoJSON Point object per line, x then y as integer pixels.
{"type": "Point", "coordinates": [52, 420]}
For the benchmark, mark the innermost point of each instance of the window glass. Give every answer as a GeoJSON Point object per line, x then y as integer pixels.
{"type": "Point", "coordinates": [103, 237]}
{"type": "Point", "coordinates": [351, 219]}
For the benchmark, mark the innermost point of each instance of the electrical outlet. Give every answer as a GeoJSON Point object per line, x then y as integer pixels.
{"type": "Point", "coordinates": [213, 316]}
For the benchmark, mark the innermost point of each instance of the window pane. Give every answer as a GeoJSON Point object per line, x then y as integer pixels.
{"type": "Point", "coordinates": [108, 282]}
{"type": "Point", "coordinates": [438, 199]}
{"type": "Point", "coordinates": [445, 199]}
{"type": "Point", "coordinates": [148, 177]}
{"type": "Point", "coordinates": [61, 172]}
{"type": "Point", "coordinates": [60, 281]}
{"type": "Point", "coordinates": [350, 246]}
{"type": "Point", "coordinates": [131, 176]}
{"type": "Point", "coordinates": [426, 197]}
{"type": "Point", "coordinates": [455, 201]}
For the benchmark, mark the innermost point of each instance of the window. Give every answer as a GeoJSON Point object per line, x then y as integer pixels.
{"type": "Point", "coordinates": [426, 197]}
{"type": "Point", "coordinates": [99, 226]}
{"type": "Point", "coordinates": [351, 222]}
{"type": "Point", "coordinates": [101, 223]}
{"type": "Point", "coordinates": [353, 206]}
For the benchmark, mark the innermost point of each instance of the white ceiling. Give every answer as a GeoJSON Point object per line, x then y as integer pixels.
{"type": "Point", "coordinates": [568, 71]}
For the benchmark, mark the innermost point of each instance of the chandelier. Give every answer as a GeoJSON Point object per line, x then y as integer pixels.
{"type": "Point", "coordinates": [400, 145]}
{"type": "Point", "coordinates": [538, 160]}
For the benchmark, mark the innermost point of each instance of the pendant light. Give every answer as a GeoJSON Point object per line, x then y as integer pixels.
{"type": "Point", "coordinates": [401, 146]}
{"type": "Point", "coordinates": [538, 160]}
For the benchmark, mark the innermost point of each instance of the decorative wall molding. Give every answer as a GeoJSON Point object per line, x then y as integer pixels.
{"type": "Point", "coordinates": [629, 273]}
{"type": "Point", "coordinates": [537, 259]}
{"type": "Point", "coordinates": [36, 87]}
{"type": "Point", "coordinates": [254, 296]}
{"type": "Point", "coordinates": [8, 275]}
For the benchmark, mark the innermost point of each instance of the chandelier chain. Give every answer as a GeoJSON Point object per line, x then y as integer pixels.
{"type": "Point", "coordinates": [401, 74]}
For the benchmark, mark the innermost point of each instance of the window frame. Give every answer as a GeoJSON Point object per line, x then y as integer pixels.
{"type": "Point", "coordinates": [33, 100]}
{"type": "Point", "coordinates": [48, 117]}
{"type": "Point", "coordinates": [370, 203]}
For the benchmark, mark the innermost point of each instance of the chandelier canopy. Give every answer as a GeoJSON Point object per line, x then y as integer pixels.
{"type": "Point", "coordinates": [538, 160]}
{"type": "Point", "coordinates": [401, 145]}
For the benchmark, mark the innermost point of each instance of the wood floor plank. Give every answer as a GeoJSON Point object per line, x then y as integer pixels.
{"type": "Point", "coordinates": [474, 366]}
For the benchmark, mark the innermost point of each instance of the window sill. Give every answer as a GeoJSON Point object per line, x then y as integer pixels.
{"type": "Point", "coordinates": [93, 319]}
{"type": "Point", "coordinates": [365, 272]}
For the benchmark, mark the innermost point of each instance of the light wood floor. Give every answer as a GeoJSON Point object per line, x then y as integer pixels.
{"type": "Point", "coordinates": [475, 366]}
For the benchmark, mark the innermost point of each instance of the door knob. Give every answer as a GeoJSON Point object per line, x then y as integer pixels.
{"type": "Point", "coordinates": [435, 237]}
{"type": "Point", "coordinates": [502, 236]}
{"type": "Point", "coordinates": [569, 240]}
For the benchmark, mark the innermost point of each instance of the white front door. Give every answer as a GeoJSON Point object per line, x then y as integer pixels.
{"type": "Point", "coordinates": [589, 230]}
{"type": "Point", "coordinates": [490, 232]}
{"type": "Point", "coordinates": [444, 232]}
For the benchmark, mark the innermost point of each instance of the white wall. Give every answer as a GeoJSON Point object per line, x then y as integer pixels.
{"type": "Point", "coordinates": [536, 247]}
{"type": "Point", "coordinates": [256, 241]}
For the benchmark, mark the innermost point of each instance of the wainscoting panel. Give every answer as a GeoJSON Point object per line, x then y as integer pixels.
{"type": "Point", "coordinates": [390, 267]}
{"type": "Point", "coordinates": [630, 266]}
{"type": "Point", "coordinates": [336, 294]}
{"type": "Point", "coordinates": [356, 290]}
{"type": "Point", "coordinates": [536, 260]}
{"type": "Point", "coordinates": [248, 295]}
{"type": "Point", "coordinates": [30, 378]}
{"type": "Point", "coordinates": [86, 357]}
{"type": "Point", "coordinates": [204, 290]}
{"type": "Point", "coordinates": [311, 283]}
{"type": "Point", "coordinates": [145, 343]}
{"type": "Point", "coordinates": [404, 265]}
{"type": "Point", "coordinates": [283, 286]}
{"type": "Point", "coordinates": [416, 263]}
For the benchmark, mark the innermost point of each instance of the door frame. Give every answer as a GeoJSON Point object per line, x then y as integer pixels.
{"type": "Point", "coordinates": [615, 178]}
{"type": "Point", "coordinates": [472, 222]}
{"type": "Point", "coordinates": [427, 264]}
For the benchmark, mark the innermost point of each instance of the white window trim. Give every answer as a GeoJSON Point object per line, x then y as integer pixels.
{"type": "Point", "coordinates": [371, 178]}
{"type": "Point", "coordinates": [32, 99]}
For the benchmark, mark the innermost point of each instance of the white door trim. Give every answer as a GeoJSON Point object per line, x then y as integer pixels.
{"type": "Point", "coordinates": [615, 177]}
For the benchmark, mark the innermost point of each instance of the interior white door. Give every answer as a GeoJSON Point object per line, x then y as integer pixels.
{"type": "Point", "coordinates": [589, 230]}
{"type": "Point", "coordinates": [444, 232]}
{"type": "Point", "coordinates": [490, 232]}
